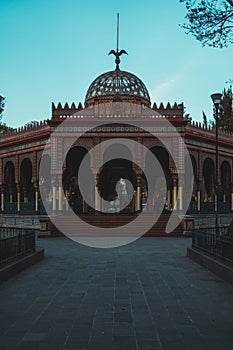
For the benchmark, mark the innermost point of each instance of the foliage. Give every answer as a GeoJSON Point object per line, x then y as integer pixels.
{"type": "Point", "coordinates": [204, 119]}
{"type": "Point", "coordinates": [187, 116]}
{"type": "Point", "coordinates": [226, 111]}
{"type": "Point", "coordinates": [2, 105]}
{"type": "Point", "coordinates": [210, 21]}
{"type": "Point", "coordinates": [4, 129]}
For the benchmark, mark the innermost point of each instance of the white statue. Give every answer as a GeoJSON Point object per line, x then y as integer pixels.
{"type": "Point", "coordinates": [121, 187]}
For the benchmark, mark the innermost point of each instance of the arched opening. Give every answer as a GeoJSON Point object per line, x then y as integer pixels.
{"type": "Point", "coordinates": [45, 185]}
{"type": "Point", "coordinates": [74, 158]}
{"type": "Point", "coordinates": [27, 192]}
{"type": "Point", "coordinates": [113, 186]}
{"type": "Point", "coordinates": [161, 184]}
{"type": "Point", "coordinates": [45, 175]}
{"type": "Point", "coordinates": [225, 188]}
{"type": "Point", "coordinates": [26, 185]}
{"type": "Point", "coordinates": [9, 187]}
{"type": "Point", "coordinates": [191, 182]}
{"type": "Point", "coordinates": [209, 178]}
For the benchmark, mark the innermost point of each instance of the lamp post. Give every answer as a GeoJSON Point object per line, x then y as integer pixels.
{"type": "Point", "coordinates": [216, 98]}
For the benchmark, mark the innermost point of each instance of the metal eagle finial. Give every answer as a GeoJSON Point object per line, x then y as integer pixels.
{"type": "Point", "coordinates": [116, 52]}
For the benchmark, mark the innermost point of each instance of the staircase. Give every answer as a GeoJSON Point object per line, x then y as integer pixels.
{"type": "Point", "coordinates": [117, 220]}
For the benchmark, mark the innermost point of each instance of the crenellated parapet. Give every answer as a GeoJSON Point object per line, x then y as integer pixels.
{"type": "Point", "coordinates": [66, 110]}
{"type": "Point", "coordinates": [109, 108]}
{"type": "Point", "coordinates": [169, 110]}
{"type": "Point", "coordinates": [199, 125]}
{"type": "Point", "coordinates": [27, 128]}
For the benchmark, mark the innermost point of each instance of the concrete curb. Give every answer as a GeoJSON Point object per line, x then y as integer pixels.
{"type": "Point", "coordinates": [222, 270]}
{"type": "Point", "coordinates": [14, 268]}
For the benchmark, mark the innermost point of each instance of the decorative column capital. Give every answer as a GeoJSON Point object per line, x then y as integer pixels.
{"type": "Point", "coordinates": [139, 180]}
{"type": "Point", "coordinates": [174, 179]}
{"type": "Point", "coordinates": [54, 181]}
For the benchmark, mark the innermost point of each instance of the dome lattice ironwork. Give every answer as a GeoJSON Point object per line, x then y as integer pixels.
{"type": "Point", "coordinates": [117, 85]}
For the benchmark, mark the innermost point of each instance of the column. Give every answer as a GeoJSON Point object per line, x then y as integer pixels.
{"type": "Point", "coordinates": [2, 198]}
{"type": "Point", "coordinates": [60, 195]}
{"type": "Point", "coordinates": [168, 200]}
{"type": "Point", "coordinates": [198, 200]}
{"type": "Point", "coordinates": [232, 198]}
{"type": "Point", "coordinates": [97, 197]}
{"type": "Point", "coordinates": [200, 190]}
{"type": "Point", "coordinates": [102, 205]}
{"type": "Point", "coordinates": [132, 204]}
{"type": "Point", "coordinates": [67, 200]}
{"type": "Point", "coordinates": [138, 195]}
{"type": "Point", "coordinates": [84, 207]}
{"type": "Point", "coordinates": [18, 197]}
{"type": "Point", "coordinates": [54, 194]}
{"type": "Point", "coordinates": [180, 194]}
{"type": "Point", "coordinates": [11, 196]}
{"type": "Point", "coordinates": [224, 198]}
{"type": "Point", "coordinates": [174, 194]}
{"type": "Point", "coordinates": [25, 195]}
{"type": "Point", "coordinates": [36, 197]}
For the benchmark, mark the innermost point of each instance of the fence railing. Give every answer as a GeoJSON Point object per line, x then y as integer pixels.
{"type": "Point", "coordinates": [28, 208]}
{"type": "Point", "coordinates": [208, 208]}
{"type": "Point", "coordinates": [15, 243]}
{"type": "Point", "coordinates": [216, 245]}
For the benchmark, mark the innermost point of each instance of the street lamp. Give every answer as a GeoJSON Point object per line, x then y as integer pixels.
{"type": "Point", "coordinates": [216, 98]}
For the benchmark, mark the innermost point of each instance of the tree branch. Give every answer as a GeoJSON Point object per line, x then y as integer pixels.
{"type": "Point", "coordinates": [210, 23]}
{"type": "Point", "coordinates": [230, 2]}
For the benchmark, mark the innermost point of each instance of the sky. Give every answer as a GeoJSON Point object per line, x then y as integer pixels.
{"type": "Point", "coordinates": [51, 51]}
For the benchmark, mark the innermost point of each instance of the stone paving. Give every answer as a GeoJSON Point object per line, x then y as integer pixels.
{"type": "Point", "coordinates": [146, 296]}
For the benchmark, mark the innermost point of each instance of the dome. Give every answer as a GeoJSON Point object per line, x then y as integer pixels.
{"type": "Point", "coordinates": [117, 85]}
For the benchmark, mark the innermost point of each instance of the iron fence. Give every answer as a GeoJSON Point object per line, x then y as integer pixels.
{"type": "Point", "coordinates": [15, 243]}
{"type": "Point", "coordinates": [10, 208]}
{"type": "Point", "coordinates": [219, 246]}
{"type": "Point", "coordinates": [28, 208]}
{"type": "Point", "coordinates": [208, 208]}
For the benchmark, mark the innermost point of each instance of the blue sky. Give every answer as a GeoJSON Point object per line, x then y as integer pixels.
{"type": "Point", "coordinates": [51, 51]}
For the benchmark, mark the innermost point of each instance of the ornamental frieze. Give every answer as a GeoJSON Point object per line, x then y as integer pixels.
{"type": "Point", "coordinates": [82, 129]}
{"type": "Point", "coordinates": [22, 147]}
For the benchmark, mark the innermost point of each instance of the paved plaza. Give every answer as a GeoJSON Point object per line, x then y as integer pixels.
{"type": "Point", "coordinates": [146, 296]}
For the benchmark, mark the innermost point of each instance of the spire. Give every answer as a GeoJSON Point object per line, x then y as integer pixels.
{"type": "Point", "coordinates": [116, 52]}
{"type": "Point", "coordinates": [117, 45]}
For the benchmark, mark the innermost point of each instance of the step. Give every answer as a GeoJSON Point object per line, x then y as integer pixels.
{"type": "Point", "coordinates": [117, 220]}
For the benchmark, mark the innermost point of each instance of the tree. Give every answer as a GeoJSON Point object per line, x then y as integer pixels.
{"type": "Point", "coordinates": [187, 116]}
{"type": "Point", "coordinates": [4, 129]}
{"type": "Point", "coordinates": [204, 119]}
{"type": "Point", "coordinates": [210, 21]}
{"type": "Point", "coordinates": [2, 105]}
{"type": "Point", "coordinates": [225, 111]}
